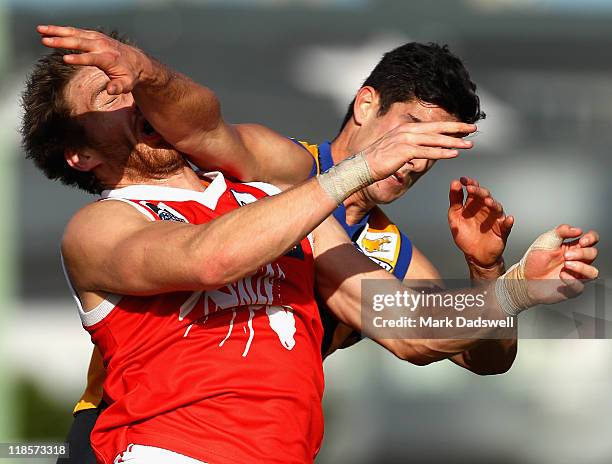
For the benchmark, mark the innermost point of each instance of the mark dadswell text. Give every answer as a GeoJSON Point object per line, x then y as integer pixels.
{"type": "Point", "coordinates": [446, 322]}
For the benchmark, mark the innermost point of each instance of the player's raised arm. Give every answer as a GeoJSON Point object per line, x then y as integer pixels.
{"type": "Point", "coordinates": [134, 256]}
{"type": "Point", "coordinates": [185, 113]}
{"type": "Point", "coordinates": [480, 229]}
{"type": "Point", "coordinates": [549, 258]}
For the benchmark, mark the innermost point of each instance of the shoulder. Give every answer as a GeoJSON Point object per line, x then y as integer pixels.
{"type": "Point", "coordinates": [97, 224]}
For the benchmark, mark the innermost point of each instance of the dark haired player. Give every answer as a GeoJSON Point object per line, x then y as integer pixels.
{"type": "Point", "coordinates": [146, 133]}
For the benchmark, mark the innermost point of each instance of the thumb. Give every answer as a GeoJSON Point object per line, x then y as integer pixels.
{"type": "Point", "coordinates": [455, 196]}
{"type": "Point", "coordinates": [114, 87]}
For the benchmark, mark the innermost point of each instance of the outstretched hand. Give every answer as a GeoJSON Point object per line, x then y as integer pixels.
{"type": "Point", "coordinates": [122, 63]}
{"type": "Point", "coordinates": [479, 226]}
{"type": "Point", "coordinates": [416, 140]}
{"type": "Point", "coordinates": [568, 267]}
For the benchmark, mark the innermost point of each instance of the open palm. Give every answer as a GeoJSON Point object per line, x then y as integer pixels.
{"type": "Point", "coordinates": [478, 225]}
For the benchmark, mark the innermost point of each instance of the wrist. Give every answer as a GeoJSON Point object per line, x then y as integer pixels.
{"type": "Point", "coordinates": [512, 292]}
{"type": "Point", "coordinates": [149, 71]}
{"type": "Point", "coordinates": [346, 178]}
{"type": "Point", "coordinates": [485, 271]}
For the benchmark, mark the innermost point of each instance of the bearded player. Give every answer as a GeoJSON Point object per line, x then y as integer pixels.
{"type": "Point", "coordinates": [249, 151]}
{"type": "Point", "coordinates": [139, 161]}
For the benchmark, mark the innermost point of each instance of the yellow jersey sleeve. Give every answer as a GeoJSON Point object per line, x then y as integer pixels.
{"type": "Point", "coordinates": [92, 397]}
{"type": "Point", "coordinates": [314, 152]}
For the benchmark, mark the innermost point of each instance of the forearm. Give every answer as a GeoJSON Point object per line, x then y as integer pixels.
{"type": "Point", "coordinates": [342, 289]}
{"type": "Point", "coordinates": [277, 223]}
{"type": "Point", "coordinates": [188, 116]}
{"type": "Point", "coordinates": [490, 356]}
{"type": "Point", "coordinates": [181, 110]}
{"type": "Point", "coordinates": [128, 254]}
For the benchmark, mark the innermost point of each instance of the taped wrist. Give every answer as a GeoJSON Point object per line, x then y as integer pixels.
{"type": "Point", "coordinates": [511, 288]}
{"type": "Point", "coordinates": [347, 177]}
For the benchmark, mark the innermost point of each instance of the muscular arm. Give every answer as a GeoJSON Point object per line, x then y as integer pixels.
{"type": "Point", "coordinates": [108, 246]}
{"type": "Point", "coordinates": [490, 356]}
{"type": "Point", "coordinates": [185, 113]}
{"type": "Point", "coordinates": [340, 287]}
{"type": "Point", "coordinates": [197, 129]}
{"type": "Point", "coordinates": [546, 259]}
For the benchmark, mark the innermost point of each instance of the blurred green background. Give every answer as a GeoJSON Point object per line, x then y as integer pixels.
{"type": "Point", "coordinates": [544, 74]}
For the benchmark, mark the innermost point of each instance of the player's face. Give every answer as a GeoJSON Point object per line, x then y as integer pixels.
{"type": "Point", "coordinates": [391, 188]}
{"type": "Point", "coordinates": [116, 129]}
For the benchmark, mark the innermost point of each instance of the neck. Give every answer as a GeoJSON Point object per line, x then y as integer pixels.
{"type": "Point", "coordinates": [185, 178]}
{"type": "Point", "coordinates": [359, 203]}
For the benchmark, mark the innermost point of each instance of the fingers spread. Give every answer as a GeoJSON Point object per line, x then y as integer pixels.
{"type": "Point", "coordinates": [434, 140]}
{"type": "Point", "coordinates": [566, 231]}
{"type": "Point", "coordinates": [585, 271]}
{"type": "Point", "coordinates": [455, 195]}
{"type": "Point", "coordinates": [440, 127]}
{"type": "Point", "coordinates": [58, 31]}
{"type": "Point", "coordinates": [589, 239]}
{"type": "Point", "coordinates": [88, 59]}
{"type": "Point", "coordinates": [432, 153]}
{"type": "Point", "coordinates": [479, 192]}
{"type": "Point", "coordinates": [469, 181]}
{"type": "Point", "coordinates": [587, 254]}
{"type": "Point", "coordinates": [70, 43]}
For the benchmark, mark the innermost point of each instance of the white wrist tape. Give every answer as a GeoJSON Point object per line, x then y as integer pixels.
{"type": "Point", "coordinates": [347, 177]}
{"type": "Point", "coordinates": [511, 288]}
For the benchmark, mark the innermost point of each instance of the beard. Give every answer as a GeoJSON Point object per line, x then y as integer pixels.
{"type": "Point", "coordinates": [148, 163]}
{"type": "Point", "coordinates": [141, 163]}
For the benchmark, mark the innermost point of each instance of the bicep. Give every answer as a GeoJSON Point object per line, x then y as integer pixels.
{"type": "Point", "coordinates": [252, 152]}
{"type": "Point", "coordinates": [114, 248]}
{"type": "Point", "coordinates": [279, 160]}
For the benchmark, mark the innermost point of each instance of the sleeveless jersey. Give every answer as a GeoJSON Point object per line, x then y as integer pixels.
{"type": "Point", "coordinates": [232, 375]}
{"type": "Point", "coordinates": [375, 235]}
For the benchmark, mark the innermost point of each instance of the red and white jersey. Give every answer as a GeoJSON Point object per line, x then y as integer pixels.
{"type": "Point", "coordinates": [232, 375]}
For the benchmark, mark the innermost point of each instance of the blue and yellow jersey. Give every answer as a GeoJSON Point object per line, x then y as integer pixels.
{"type": "Point", "coordinates": [375, 235]}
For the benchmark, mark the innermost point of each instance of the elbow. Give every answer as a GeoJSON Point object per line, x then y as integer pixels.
{"type": "Point", "coordinates": [497, 369]}
{"type": "Point", "coordinates": [497, 359]}
{"type": "Point", "coordinates": [220, 269]}
{"type": "Point", "coordinates": [209, 276]}
{"type": "Point", "coordinates": [414, 353]}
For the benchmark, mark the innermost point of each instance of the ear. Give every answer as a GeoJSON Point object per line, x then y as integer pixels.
{"type": "Point", "coordinates": [366, 105]}
{"type": "Point", "coordinates": [81, 160]}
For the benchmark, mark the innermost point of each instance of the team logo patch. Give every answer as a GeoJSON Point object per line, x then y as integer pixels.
{"type": "Point", "coordinates": [381, 247]}
{"type": "Point", "coordinates": [164, 212]}
{"type": "Point", "coordinates": [371, 245]}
